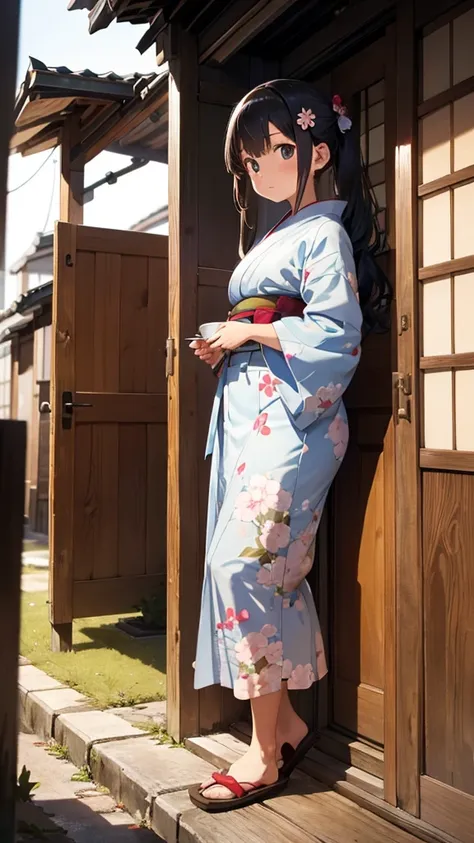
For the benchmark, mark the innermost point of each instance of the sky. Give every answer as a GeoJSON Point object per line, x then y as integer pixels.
{"type": "Point", "coordinates": [57, 37]}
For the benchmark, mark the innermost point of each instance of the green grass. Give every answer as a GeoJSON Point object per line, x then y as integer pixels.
{"type": "Point", "coordinates": [30, 544]}
{"type": "Point", "coordinates": [105, 664]}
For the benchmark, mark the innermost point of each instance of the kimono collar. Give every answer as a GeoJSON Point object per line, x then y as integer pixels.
{"type": "Point", "coordinates": [330, 207]}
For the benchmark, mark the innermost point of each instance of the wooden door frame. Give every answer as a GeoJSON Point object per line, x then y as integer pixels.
{"type": "Point", "coordinates": [409, 644]}
{"type": "Point", "coordinates": [184, 561]}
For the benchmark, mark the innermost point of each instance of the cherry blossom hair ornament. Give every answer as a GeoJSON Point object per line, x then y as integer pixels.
{"type": "Point", "coordinates": [343, 121]}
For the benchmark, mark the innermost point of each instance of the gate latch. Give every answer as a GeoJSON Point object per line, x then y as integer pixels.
{"type": "Point", "coordinates": [402, 387]}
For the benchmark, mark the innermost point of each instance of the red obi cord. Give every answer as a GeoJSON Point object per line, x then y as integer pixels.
{"type": "Point", "coordinates": [285, 306]}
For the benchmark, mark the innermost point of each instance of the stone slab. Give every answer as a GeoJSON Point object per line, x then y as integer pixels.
{"type": "Point", "coordinates": [30, 678]}
{"type": "Point", "coordinates": [136, 771]}
{"type": "Point", "coordinates": [153, 712]}
{"type": "Point", "coordinates": [166, 812]}
{"type": "Point", "coordinates": [40, 709]}
{"type": "Point", "coordinates": [80, 730]}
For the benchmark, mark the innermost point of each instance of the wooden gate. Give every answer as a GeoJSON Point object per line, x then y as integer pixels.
{"type": "Point", "coordinates": [109, 423]}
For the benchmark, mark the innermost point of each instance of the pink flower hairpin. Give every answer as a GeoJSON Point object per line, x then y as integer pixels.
{"type": "Point", "coordinates": [306, 118]}
{"type": "Point", "coordinates": [343, 121]}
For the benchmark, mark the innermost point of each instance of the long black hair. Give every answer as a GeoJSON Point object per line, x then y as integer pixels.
{"type": "Point", "coordinates": [280, 102]}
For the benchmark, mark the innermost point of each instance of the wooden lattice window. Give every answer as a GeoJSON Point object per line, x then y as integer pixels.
{"type": "Point", "coordinates": [446, 242]}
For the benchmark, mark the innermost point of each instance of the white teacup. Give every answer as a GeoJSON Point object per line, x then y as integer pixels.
{"type": "Point", "coordinates": [208, 329]}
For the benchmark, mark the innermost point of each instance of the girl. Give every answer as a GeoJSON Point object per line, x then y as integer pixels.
{"type": "Point", "coordinates": [278, 429]}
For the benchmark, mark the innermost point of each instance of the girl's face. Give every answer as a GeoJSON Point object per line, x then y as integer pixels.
{"type": "Point", "coordinates": [274, 175]}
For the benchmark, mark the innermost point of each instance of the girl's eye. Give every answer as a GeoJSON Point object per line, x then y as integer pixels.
{"type": "Point", "coordinates": [287, 151]}
{"type": "Point", "coordinates": [253, 164]}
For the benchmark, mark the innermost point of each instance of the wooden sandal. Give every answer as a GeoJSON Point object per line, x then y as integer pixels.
{"type": "Point", "coordinates": [292, 757]}
{"type": "Point", "coordinates": [245, 793]}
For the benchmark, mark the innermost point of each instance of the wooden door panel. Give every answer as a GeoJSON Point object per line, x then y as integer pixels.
{"type": "Point", "coordinates": [448, 578]}
{"type": "Point", "coordinates": [111, 298]}
{"type": "Point", "coordinates": [360, 504]}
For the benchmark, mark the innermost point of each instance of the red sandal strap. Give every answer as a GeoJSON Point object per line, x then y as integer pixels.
{"type": "Point", "coordinates": [230, 783]}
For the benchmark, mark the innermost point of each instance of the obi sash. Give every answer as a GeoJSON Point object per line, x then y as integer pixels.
{"type": "Point", "coordinates": [261, 310]}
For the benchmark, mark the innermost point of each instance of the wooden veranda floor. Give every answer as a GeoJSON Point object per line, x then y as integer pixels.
{"type": "Point", "coordinates": [309, 811]}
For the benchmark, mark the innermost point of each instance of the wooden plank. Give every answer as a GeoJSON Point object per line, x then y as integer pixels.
{"type": "Point", "coordinates": [447, 460]}
{"type": "Point", "coordinates": [448, 361]}
{"type": "Point", "coordinates": [62, 441]}
{"type": "Point", "coordinates": [85, 504]}
{"type": "Point", "coordinates": [121, 242]}
{"type": "Point", "coordinates": [102, 504]}
{"type": "Point", "coordinates": [85, 336]}
{"type": "Point", "coordinates": [157, 451]}
{"type": "Point", "coordinates": [245, 27]}
{"type": "Point", "coordinates": [408, 540]}
{"type": "Point", "coordinates": [310, 805]}
{"type": "Point", "coordinates": [359, 706]}
{"type": "Point", "coordinates": [71, 206]}
{"type": "Point", "coordinates": [251, 824]}
{"type": "Point", "coordinates": [132, 507]}
{"type": "Point", "coordinates": [12, 485]}
{"type": "Point", "coordinates": [448, 587]}
{"type": "Point", "coordinates": [323, 42]}
{"type": "Point", "coordinates": [399, 818]}
{"type": "Point", "coordinates": [352, 752]}
{"type": "Point", "coordinates": [438, 270]}
{"type": "Point", "coordinates": [105, 374]}
{"type": "Point", "coordinates": [466, 174]}
{"type": "Point", "coordinates": [390, 615]}
{"type": "Point", "coordinates": [446, 808]}
{"type": "Point", "coordinates": [184, 562]}
{"type": "Point", "coordinates": [121, 407]}
{"type": "Point", "coordinates": [157, 324]}
{"type": "Point", "coordinates": [133, 323]}
{"type": "Point", "coordinates": [113, 595]}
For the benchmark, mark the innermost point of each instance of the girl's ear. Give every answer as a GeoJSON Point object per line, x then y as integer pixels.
{"type": "Point", "coordinates": [321, 156]}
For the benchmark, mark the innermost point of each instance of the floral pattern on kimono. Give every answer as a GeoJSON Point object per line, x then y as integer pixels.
{"type": "Point", "coordinates": [278, 435]}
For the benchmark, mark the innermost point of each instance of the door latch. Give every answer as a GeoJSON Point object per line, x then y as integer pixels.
{"type": "Point", "coordinates": [402, 387]}
{"type": "Point", "coordinates": [68, 406]}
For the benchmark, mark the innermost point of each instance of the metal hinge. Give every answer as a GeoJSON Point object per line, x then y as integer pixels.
{"type": "Point", "coordinates": [170, 352]}
{"type": "Point", "coordinates": [402, 387]}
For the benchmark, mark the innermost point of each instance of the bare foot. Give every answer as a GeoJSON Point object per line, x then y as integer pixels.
{"type": "Point", "coordinates": [249, 769]}
{"type": "Point", "coordinates": [290, 729]}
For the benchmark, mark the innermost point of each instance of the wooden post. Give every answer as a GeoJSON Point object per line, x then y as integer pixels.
{"type": "Point", "coordinates": [409, 642]}
{"type": "Point", "coordinates": [12, 493]}
{"type": "Point", "coordinates": [184, 561]}
{"type": "Point", "coordinates": [12, 473]}
{"type": "Point", "coordinates": [71, 208]}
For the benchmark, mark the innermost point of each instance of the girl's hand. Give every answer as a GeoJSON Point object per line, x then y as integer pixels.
{"type": "Point", "coordinates": [206, 354]}
{"type": "Point", "coordinates": [230, 336]}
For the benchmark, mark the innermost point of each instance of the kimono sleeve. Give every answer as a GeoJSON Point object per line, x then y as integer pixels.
{"type": "Point", "coordinates": [321, 349]}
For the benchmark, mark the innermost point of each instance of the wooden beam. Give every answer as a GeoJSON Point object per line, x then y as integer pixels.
{"type": "Point", "coordinates": [184, 562]}
{"type": "Point", "coordinates": [71, 207]}
{"type": "Point", "coordinates": [356, 17]}
{"type": "Point", "coordinates": [118, 125]}
{"type": "Point", "coordinates": [233, 30]}
{"type": "Point", "coordinates": [409, 640]}
{"type": "Point", "coordinates": [12, 494]}
{"type": "Point", "coordinates": [138, 151]}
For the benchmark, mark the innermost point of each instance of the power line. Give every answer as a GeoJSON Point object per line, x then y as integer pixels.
{"type": "Point", "coordinates": [14, 189]}
{"type": "Point", "coordinates": [53, 186]}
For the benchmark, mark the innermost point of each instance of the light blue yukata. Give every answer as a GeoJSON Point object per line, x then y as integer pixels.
{"type": "Point", "coordinates": [278, 435]}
